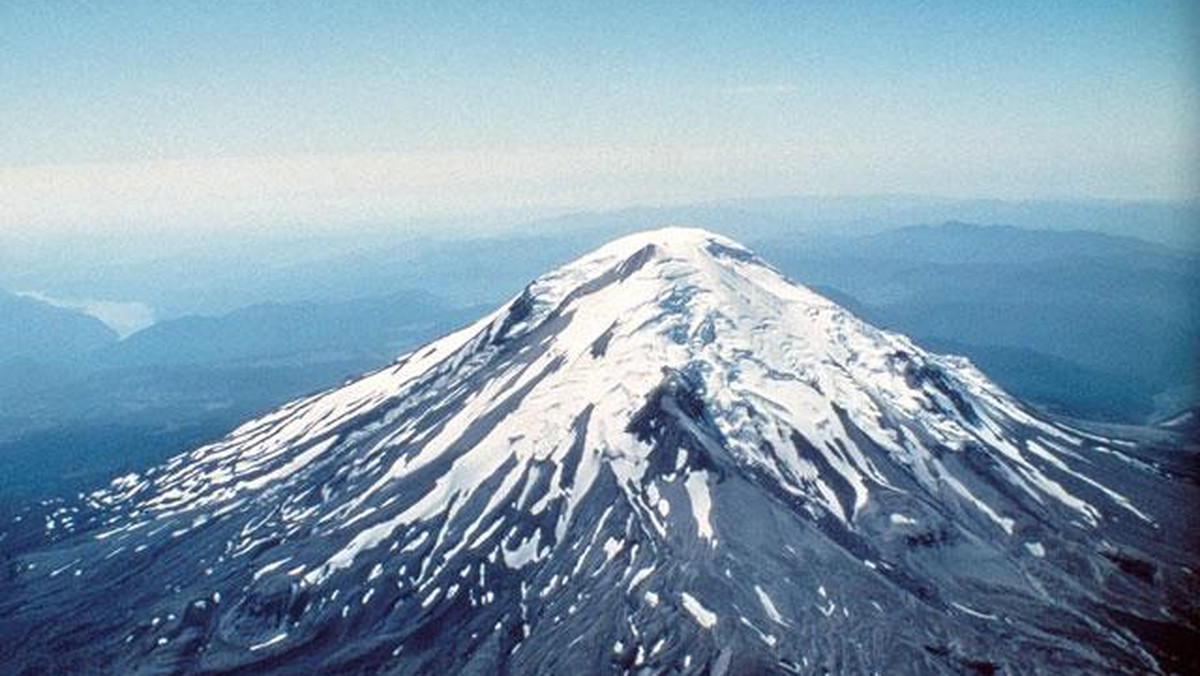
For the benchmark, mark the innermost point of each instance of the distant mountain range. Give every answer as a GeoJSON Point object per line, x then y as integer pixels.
{"type": "Point", "coordinates": [33, 330]}
{"type": "Point", "coordinates": [1081, 323]}
{"type": "Point", "coordinates": [74, 416]}
{"type": "Point", "coordinates": [275, 332]}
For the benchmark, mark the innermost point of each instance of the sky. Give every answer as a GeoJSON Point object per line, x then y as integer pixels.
{"type": "Point", "coordinates": [118, 114]}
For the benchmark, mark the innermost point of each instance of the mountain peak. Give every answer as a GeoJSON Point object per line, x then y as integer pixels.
{"type": "Point", "coordinates": [672, 272]}
{"type": "Point", "coordinates": [681, 244]}
{"type": "Point", "coordinates": [678, 237]}
{"type": "Point", "coordinates": [663, 455]}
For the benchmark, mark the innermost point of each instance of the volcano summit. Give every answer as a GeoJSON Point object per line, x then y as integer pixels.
{"type": "Point", "coordinates": [663, 457]}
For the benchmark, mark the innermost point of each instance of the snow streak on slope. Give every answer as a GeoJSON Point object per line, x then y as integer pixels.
{"type": "Point", "coordinates": [648, 407]}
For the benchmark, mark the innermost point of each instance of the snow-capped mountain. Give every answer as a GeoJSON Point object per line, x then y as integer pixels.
{"type": "Point", "coordinates": [664, 457]}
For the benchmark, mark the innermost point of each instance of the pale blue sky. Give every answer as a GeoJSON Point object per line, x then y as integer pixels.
{"type": "Point", "coordinates": [117, 111]}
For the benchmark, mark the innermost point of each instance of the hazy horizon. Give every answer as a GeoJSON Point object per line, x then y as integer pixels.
{"type": "Point", "coordinates": [123, 117]}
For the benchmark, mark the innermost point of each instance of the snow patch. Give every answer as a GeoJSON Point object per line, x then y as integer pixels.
{"type": "Point", "coordinates": [269, 642]}
{"type": "Point", "coordinates": [768, 605]}
{"type": "Point", "coordinates": [703, 616]}
{"type": "Point", "coordinates": [697, 490]}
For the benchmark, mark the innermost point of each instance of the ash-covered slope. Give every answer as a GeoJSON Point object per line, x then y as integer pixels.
{"type": "Point", "coordinates": [661, 458]}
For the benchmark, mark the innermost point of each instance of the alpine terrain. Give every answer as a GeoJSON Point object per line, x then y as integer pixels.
{"type": "Point", "coordinates": [664, 457]}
